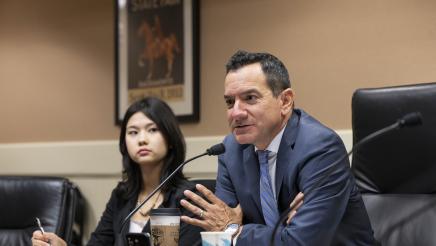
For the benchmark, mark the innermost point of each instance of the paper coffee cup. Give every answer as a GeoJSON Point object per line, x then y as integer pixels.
{"type": "Point", "coordinates": [165, 226]}
{"type": "Point", "coordinates": [216, 238]}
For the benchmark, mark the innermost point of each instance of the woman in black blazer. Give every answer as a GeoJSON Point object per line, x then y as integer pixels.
{"type": "Point", "coordinates": [152, 146]}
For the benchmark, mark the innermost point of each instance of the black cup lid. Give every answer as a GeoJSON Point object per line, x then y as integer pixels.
{"type": "Point", "coordinates": [165, 212]}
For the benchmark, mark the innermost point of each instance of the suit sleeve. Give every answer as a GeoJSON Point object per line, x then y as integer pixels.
{"type": "Point", "coordinates": [224, 187]}
{"type": "Point", "coordinates": [318, 218]}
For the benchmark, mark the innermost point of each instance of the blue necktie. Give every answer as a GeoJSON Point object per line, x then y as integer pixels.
{"type": "Point", "coordinates": [267, 200]}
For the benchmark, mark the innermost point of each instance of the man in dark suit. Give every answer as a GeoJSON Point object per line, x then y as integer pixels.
{"type": "Point", "coordinates": [275, 152]}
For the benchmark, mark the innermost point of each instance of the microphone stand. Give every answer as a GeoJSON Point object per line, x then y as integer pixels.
{"type": "Point", "coordinates": [409, 120]}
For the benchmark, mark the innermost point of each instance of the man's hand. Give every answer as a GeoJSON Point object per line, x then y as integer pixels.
{"type": "Point", "coordinates": [295, 204]}
{"type": "Point", "coordinates": [213, 213]}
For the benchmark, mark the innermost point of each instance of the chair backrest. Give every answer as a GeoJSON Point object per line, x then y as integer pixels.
{"type": "Point", "coordinates": [55, 201]}
{"type": "Point", "coordinates": [397, 172]}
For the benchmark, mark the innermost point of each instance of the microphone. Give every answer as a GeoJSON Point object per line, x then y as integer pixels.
{"type": "Point", "coordinates": [216, 149]}
{"type": "Point", "coordinates": [408, 120]}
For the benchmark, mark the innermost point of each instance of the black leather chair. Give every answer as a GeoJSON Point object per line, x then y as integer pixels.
{"type": "Point", "coordinates": [397, 172]}
{"type": "Point", "coordinates": [55, 201]}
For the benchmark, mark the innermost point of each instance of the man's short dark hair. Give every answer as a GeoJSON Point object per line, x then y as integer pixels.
{"type": "Point", "coordinates": [275, 71]}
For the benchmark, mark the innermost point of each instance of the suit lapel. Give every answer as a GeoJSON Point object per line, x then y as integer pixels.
{"type": "Point", "coordinates": [251, 168]}
{"type": "Point", "coordinates": [284, 154]}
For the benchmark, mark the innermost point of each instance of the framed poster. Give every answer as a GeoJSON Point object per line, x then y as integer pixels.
{"type": "Point", "coordinates": [157, 54]}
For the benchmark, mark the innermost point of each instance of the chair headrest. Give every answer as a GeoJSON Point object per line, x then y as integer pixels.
{"type": "Point", "coordinates": [25, 197]}
{"type": "Point", "coordinates": [402, 161]}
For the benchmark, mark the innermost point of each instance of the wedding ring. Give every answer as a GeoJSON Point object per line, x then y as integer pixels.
{"type": "Point", "coordinates": [201, 213]}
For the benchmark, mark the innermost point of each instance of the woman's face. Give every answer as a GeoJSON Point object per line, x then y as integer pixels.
{"type": "Point", "coordinates": [145, 143]}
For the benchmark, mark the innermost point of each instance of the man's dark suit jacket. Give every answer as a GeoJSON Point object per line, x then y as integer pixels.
{"type": "Point", "coordinates": [117, 209]}
{"type": "Point", "coordinates": [332, 215]}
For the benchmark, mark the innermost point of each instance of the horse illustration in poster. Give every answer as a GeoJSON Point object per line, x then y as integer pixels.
{"type": "Point", "coordinates": [156, 46]}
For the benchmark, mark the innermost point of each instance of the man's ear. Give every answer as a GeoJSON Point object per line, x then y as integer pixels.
{"type": "Point", "coordinates": [287, 98]}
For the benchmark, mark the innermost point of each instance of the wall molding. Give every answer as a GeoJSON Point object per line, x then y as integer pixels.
{"type": "Point", "coordinates": [99, 159]}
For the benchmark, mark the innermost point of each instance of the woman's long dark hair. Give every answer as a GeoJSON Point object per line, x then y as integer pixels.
{"type": "Point", "coordinates": [162, 115]}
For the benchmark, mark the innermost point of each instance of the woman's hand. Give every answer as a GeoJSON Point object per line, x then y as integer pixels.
{"type": "Point", "coordinates": [47, 239]}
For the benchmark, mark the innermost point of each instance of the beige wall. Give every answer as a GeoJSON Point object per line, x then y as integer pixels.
{"type": "Point", "coordinates": [57, 78]}
{"type": "Point", "coordinates": [57, 59]}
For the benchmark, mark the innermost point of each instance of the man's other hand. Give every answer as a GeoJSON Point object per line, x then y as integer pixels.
{"type": "Point", "coordinates": [212, 214]}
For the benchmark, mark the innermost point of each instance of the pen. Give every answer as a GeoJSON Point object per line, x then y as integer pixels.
{"type": "Point", "coordinates": [39, 225]}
